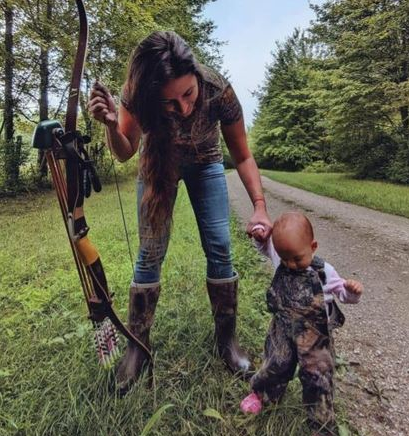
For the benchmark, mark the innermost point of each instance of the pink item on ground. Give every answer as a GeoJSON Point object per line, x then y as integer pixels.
{"type": "Point", "coordinates": [251, 404]}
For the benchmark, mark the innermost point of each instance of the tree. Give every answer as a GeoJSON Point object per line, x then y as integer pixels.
{"type": "Point", "coordinates": [286, 132]}
{"type": "Point", "coordinates": [11, 146]}
{"type": "Point", "coordinates": [44, 49]}
{"type": "Point", "coordinates": [365, 89]}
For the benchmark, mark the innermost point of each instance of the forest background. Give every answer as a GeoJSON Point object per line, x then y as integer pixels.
{"type": "Point", "coordinates": [335, 95]}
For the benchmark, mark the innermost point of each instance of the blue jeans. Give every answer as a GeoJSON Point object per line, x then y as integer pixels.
{"type": "Point", "coordinates": [207, 189]}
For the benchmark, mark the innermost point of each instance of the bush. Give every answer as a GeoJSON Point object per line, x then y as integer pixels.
{"type": "Point", "coordinates": [398, 170]}
{"type": "Point", "coordinates": [262, 161]}
{"type": "Point", "coordinates": [13, 155]}
{"type": "Point", "coordinates": [320, 166]}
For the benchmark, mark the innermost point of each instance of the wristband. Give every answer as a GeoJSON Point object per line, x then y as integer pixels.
{"type": "Point", "coordinates": [259, 199]}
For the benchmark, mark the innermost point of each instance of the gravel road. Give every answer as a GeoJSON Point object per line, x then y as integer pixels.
{"type": "Point", "coordinates": [372, 247]}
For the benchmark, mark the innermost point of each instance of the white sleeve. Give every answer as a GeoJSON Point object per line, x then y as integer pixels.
{"type": "Point", "coordinates": [335, 285]}
{"type": "Point", "coordinates": [267, 249]}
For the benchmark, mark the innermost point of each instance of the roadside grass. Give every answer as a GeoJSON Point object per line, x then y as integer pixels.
{"type": "Point", "coordinates": [50, 383]}
{"type": "Point", "coordinates": [382, 196]}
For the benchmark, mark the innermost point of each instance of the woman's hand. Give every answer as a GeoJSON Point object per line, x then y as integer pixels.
{"type": "Point", "coordinates": [102, 106]}
{"type": "Point", "coordinates": [236, 141]}
{"type": "Point", "coordinates": [260, 218]}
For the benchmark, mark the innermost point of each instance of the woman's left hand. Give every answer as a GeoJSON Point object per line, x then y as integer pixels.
{"type": "Point", "coordinates": [260, 217]}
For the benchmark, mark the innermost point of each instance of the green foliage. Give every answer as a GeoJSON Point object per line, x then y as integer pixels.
{"type": "Point", "coordinates": [227, 160]}
{"type": "Point", "coordinates": [364, 93]}
{"type": "Point", "coordinates": [340, 93]}
{"type": "Point", "coordinates": [115, 28]}
{"type": "Point", "coordinates": [398, 169]}
{"type": "Point", "coordinates": [319, 166]}
{"type": "Point", "coordinates": [286, 132]}
{"type": "Point", "coordinates": [13, 155]}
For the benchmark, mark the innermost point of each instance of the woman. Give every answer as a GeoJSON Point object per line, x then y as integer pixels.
{"type": "Point", "coordinates": [174, 106]}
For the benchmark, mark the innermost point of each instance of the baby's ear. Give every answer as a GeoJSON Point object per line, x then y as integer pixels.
{"type": "Point", "coordinates": [314, 245]}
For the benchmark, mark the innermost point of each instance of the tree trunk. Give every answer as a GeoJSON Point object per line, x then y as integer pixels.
{"type": "Point", "coordinates": [44, 84]}
{"type": "Point", "coordinates": [11, 161]}
{"type": "Point", "coordinates": [9, 75]}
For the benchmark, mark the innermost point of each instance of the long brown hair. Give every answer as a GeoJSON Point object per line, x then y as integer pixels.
{"type": "Point", "coordinates": [160, 57]}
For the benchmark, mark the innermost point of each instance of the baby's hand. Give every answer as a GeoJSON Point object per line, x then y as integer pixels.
{"type": "Point", "coordinates": [257, 232]}
{"type": "Point", "coordinates": [354, 287]}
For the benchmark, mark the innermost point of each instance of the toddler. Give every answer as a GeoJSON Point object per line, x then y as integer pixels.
{"type": "Point", "coordinates": [301, 297]}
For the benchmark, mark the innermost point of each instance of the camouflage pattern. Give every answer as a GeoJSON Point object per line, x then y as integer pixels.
{"type": "Point", "coordinates": [196, 138]}
{"type": "Point", "coordinates": [300, 333]}
{"type": "Point", "coordinates": [142, 304]}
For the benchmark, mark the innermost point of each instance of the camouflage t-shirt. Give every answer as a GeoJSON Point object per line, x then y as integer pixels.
{"type": "Point", "coordinates": [196, 138]}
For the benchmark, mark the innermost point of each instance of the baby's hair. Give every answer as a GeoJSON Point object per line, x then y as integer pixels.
{"type": "Point", "coordinates": [293, 221]}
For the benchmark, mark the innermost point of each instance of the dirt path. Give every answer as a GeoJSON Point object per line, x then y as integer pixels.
{"type": "Point", "coordinates": [374, 248]}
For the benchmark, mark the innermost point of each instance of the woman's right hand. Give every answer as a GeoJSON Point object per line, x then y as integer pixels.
{"type": "Point", "coordinates": [102, 106]}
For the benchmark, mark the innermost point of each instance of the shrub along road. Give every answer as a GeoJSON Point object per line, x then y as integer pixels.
{"type": "Point", "coordinates": [373, 345]}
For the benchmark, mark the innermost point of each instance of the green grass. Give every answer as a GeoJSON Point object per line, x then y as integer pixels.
{"type": "Point", "coordinates": [50, 383]}
{"type": "Point", "coordinates": [382, 196]}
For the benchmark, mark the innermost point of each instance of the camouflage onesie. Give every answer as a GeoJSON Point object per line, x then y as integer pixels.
{"type": "Point", "coordinates": [300, 332]}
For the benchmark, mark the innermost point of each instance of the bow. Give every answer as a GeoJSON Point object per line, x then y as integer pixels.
{"type": "Point", "coordinates": [71, 186]}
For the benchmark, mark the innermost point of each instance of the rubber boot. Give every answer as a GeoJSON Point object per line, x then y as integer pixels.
{"type": "Point", "coordinates": [223, 298]}
{"type": "Point", "coordinates": [142, 303]}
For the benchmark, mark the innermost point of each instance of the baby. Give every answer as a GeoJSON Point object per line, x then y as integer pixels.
{"type": "Point", "coordinates": [301, 297]}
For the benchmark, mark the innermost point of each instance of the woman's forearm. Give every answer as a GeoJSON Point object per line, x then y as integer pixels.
{"type": "Point", "coordinates": [236, 141]}
{"type": "Point", "coordinates": [122, 148]}
{"type": "Point", "coordinates": [250, 176]}
{"type": "Point", "coordinates": [122, 130]}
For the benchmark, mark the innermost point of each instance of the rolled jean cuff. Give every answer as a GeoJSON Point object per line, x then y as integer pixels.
{"type": "Point", "coordinates": [144, 285]}
{"type": "Point", "coordinates": [225, 280]}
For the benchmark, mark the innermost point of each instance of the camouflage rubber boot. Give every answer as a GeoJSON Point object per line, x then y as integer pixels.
{"type": "Point", "coordinates": [142, 304]}
{"type": "Point", "coordinates": [223, 298]}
